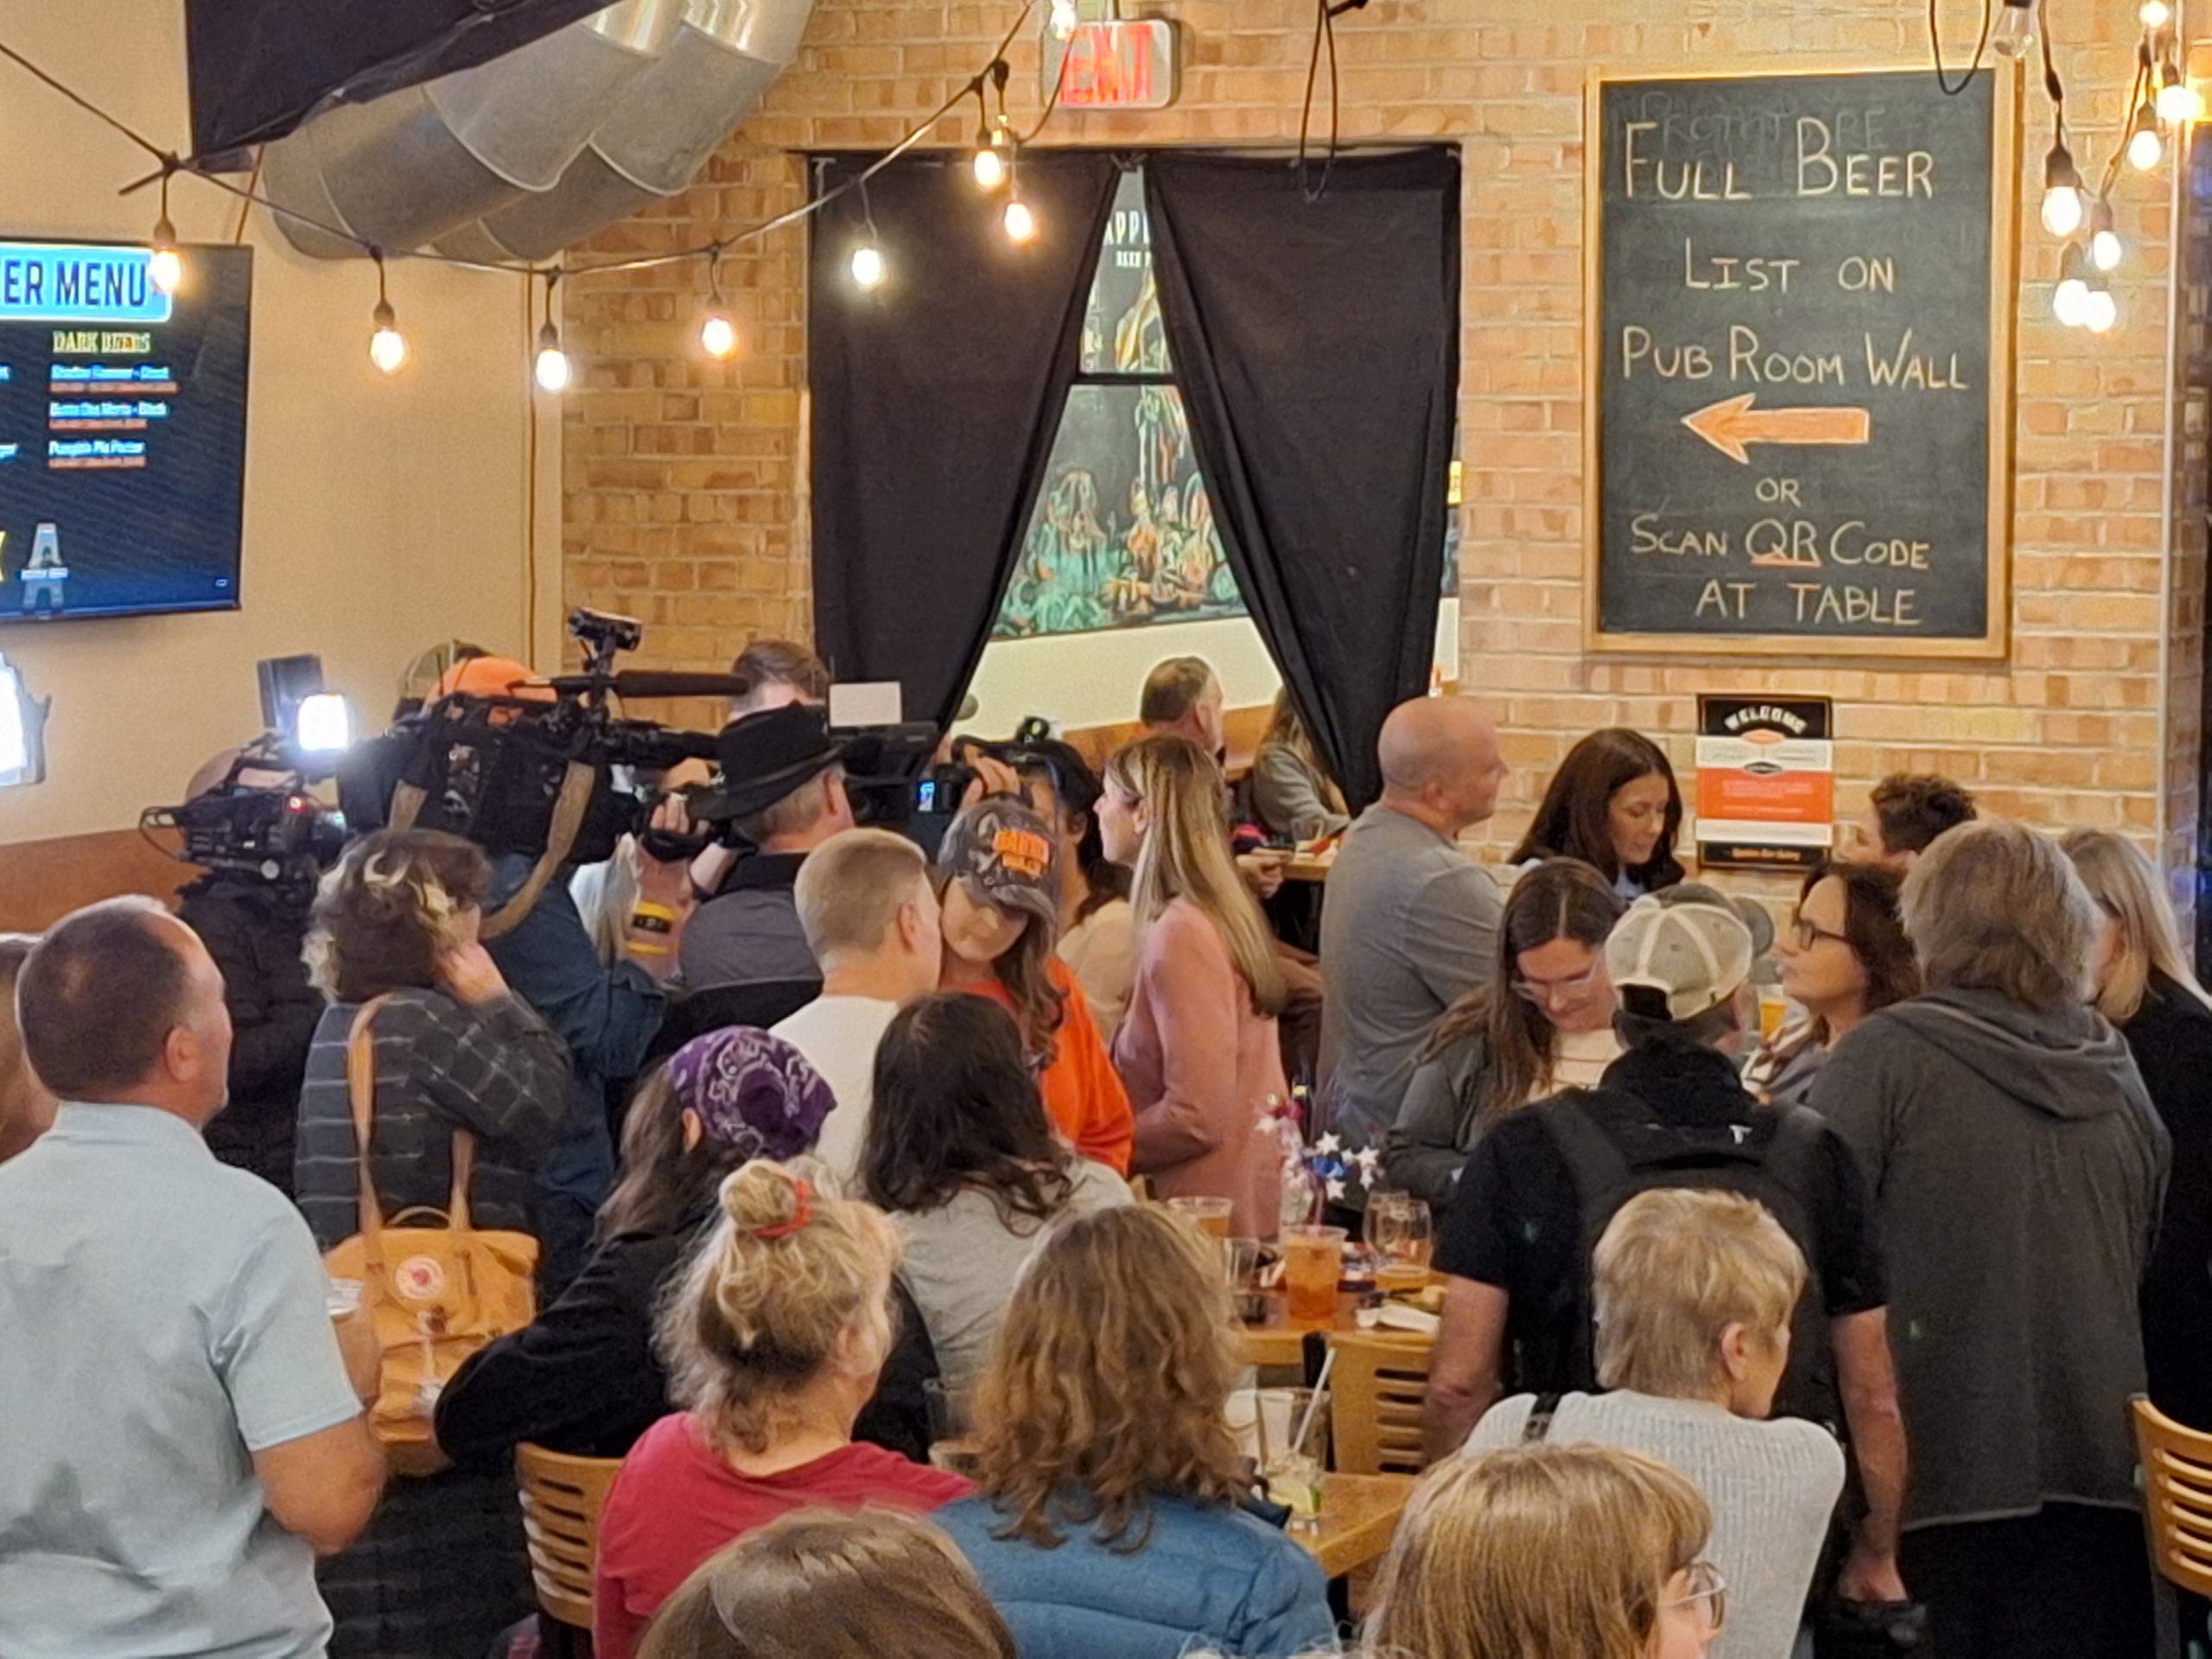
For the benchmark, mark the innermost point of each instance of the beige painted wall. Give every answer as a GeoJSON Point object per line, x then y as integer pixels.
{"type": "Point", "coordinates": [380, 516]}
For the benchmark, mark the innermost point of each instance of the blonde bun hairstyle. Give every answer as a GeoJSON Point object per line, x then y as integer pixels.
{"type": "Point", "coordinates": [790, 1281]}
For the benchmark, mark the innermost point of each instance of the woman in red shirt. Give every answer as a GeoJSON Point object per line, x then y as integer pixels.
{"type": "Point", "coordinates": [1001, 895]}
{"type": "Point", "coordinates": [775, 1336]}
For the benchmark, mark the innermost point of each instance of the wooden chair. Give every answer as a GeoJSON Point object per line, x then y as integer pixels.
{"type": "Point", "coordinates": [1376, 1388]}
{"type": "Point", "coordinates": [562, 1498]}
{"type": "Point", "coordinates": [2176, 1496]}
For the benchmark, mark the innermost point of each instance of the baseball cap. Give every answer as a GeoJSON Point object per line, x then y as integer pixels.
{"type": "Point", "coordinates": [1003, 854]}
{"type": "Point", "coordinates": [1691, 944]}
{"type": "Point", "coordinates": [494, 677]}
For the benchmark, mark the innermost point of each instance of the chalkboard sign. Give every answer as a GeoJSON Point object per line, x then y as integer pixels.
{"type": "Point", "coordinates": [1799, 416]}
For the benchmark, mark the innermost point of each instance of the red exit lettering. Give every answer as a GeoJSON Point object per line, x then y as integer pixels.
{"type": "Point", "coordinates": [1124, 65]}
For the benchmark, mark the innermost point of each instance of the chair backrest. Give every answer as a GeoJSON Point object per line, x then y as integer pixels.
{"type": "Point", "coordinates": [1379, 1384]}
{"type": "Point", "coordinates": [2176, 1496]}
{"type": "Point", "coordinates": [562, 1498]}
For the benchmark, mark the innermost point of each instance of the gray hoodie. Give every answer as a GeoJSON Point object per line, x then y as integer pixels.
{"type": "Point", "coordinates": [2018, 1167]}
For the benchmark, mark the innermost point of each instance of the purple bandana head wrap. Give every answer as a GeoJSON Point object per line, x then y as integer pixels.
{"type": "Point", "coordinates": [754, 1093]}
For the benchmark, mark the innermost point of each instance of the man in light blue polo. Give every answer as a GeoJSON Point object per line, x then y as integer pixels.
{"type": "Point", "coordinates": [179, 1435]}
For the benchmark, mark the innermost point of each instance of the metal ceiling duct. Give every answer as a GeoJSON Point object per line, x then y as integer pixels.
{"type": "Point", "coordinates": [721, 62]}
{"type": "Point", "coordinates": [410, 167]}
{"type": "Point", "coordinates": [537, 150]}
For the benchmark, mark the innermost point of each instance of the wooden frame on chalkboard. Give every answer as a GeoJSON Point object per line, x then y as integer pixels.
{"type": "Point", "coordinates": [1996, 640]}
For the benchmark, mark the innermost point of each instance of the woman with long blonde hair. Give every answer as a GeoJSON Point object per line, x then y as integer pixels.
{"type": "Point", "coordinates": [1292, 791]}
{"type": "Point", "coordinates": [1198, 1047]}
{"type": "Point", "coordinates": [774, 1338]}
{"type": "Point", "coordinates": [1550, 1552]}
{"type": "Point", "coordinates": [1109, 1516]}
{"type": "Point", "coordinates": [2145, 986]}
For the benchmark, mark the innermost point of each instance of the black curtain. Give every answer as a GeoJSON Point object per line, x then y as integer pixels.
{"type": "Point", "coordinates": [937, 397]}
{"type": "Point", "coordinates": [1317, 343]}
{"type": "Point", "coordinates": [258, 67]}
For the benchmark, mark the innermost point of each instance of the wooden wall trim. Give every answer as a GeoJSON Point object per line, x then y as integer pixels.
{"type": "Point", "coordinates": [42, 881]}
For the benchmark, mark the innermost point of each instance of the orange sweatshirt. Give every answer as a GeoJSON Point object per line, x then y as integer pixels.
{"type": "Point", "coordinates": [1084, 1094]}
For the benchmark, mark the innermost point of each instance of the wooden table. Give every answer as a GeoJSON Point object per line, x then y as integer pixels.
{"type": "Point", "coordinates": [1359, 1518]}
{"type": "Point", "coordinates": [1281, 1341]}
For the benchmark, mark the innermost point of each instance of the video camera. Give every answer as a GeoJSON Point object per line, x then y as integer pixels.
{"type": "Point", "coordinates": [895, 782]}
{"type": "Point", "coordinates": [269, 829]}
{"type": "Point", "coordinates": [549, 765]}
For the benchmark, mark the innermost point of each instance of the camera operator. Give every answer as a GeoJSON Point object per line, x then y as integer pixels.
{"type": "Point", "coordinates": [783, 791]}
{"type": "Point", "coordinates": [254, 924]}
{"type": "Point", "coordinates": [606, 1015]}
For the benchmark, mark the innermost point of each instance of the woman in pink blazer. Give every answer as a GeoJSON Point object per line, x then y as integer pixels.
{"type": "Point", "coordinates": [1197, 1048]}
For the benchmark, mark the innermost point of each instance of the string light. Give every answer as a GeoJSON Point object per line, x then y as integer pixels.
{"type": "Point", "coordinates": [2099, 310]}
{"type": "Point", "coordinates": [166, 268]}
{"type": "Point", "coordinates": [990, 160]}
{"type": "Point", "coordinates": [2062, 207]}
{"type": "Point", "coordinates": [718, 336]}
{"type": "Point", "coordinates": [2104, 249]}
{"type": "Point", "coordinates": [2013, 35]}
{"type": "Point", "coordinates": [2156, 14]}
{"type": "Point", "coordinates": [387, 346]}
{"type": "Point", "coordinates": [2178, 103]}
{"type": "Point", "coordinates": [552, 368]}
{"type": "Point", "coordinates": [2146, 150]}
{"type": "Point", "coordinates": [2070, 299]}
{"type": "Point", "coordinates": [868, 266]}
{"type": "Point", "coordinates": [1021, 224]}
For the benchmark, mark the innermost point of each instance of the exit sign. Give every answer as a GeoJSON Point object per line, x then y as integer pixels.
{"type": "Point", "coordinates": [1119, 64]}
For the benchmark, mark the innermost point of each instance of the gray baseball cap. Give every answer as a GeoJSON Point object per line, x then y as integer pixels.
{"type": "Point", "coordinates": [1690, 943]}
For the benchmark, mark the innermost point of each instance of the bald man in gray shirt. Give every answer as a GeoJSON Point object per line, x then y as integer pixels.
{"type": "Point", "coordinates": [1411, 921]}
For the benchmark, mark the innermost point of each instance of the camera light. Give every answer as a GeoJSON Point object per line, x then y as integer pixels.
{"type": "Point", "coordinates": [324, 724]}
{"type": "Point", "coordinates": [22, 724]}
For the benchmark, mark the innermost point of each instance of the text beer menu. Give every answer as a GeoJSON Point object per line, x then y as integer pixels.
{"type": "Point", "coordinates": [1800, 301]}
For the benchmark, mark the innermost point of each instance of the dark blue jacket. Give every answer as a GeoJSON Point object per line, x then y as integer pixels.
{"type": "Point", "coordinates": [1209, 1576]}
{"type": "Point", "coordinates": [606, 1016]}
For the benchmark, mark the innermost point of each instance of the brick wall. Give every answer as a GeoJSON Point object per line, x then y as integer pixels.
{"type": "Point", "coordinates": [685, 480]}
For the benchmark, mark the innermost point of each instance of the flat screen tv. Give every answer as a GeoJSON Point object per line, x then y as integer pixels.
{"type": "Point", "coordinates": [122, 430]}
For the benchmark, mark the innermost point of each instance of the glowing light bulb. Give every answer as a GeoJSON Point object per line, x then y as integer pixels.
{"type": "Point", "coordinates": [552, 366]}
{"type": "Point", "coordinates": [2064, 208]}
{"type": "Point", "coordinates": [2156, 14]}
{"type": "Point", "coordinates": [2100, 311]}
{"type": "Point", "coordinates": [166, 268]}
{"type": "Point", "coordinates": [717, 333]}
{"type": "Point", "coordinates": [387, 346]}
{"type": "Point", "coordinates": [1065, 19]}
{"type": "Point", "coordinates": [2070, 300]}
{"type": "Point", "coordinates": [990, 167]}
{"type": "Point", "coordinates": [2014, 35]}
{"type": "Point", "coordinates": [2105, 248]}
{"type": "Point", "coordinates": [2178, 103]}
{"type": "Point", "coordinates": [2146, 150]}
{"type": "Point", "coordinates": [1021, 224]}
{"type": "Point", "coordinates": [868, 266]}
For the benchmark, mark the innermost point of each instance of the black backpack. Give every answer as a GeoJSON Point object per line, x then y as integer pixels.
{"type": "Point", "coordinates": [1614, 1148]}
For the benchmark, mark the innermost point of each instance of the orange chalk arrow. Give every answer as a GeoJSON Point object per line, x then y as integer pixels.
{"type": "Point", "coordinates": [1733, 423]}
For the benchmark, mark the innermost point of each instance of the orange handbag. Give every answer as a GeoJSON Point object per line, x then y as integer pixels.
{"type": "Point", "coordinates": [433, 1289]}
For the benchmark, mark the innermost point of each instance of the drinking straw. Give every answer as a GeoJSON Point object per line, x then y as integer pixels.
{"type": "Point", "coordinates": [1313, 1402]}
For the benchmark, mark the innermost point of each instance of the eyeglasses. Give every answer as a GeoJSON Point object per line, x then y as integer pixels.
{"type": "Point", "coordinates": [1544, 992]}
{"type": "Point", "coordinates": [1708, 1592]}
{"type": "Point", "coordinates": [1809, 934]}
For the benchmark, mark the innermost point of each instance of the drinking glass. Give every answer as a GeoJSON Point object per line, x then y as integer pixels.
{"type": "Point", "coordinates": [1411, 1241]}
{"type": "Point", "coordinates": [1314, 1258]}
{"type": "Point", "coordinates": [1209, 1215]}
{"type": "Point", "coordinates": [1293, 1426]}
{"type": "Point", "coordinates": [1379, 1223]}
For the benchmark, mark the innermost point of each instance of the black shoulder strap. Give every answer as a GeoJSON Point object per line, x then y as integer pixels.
{"type": "Point", "coordinates": [1539, 1426]}
{"type": "Point", "coordinates": [1593, 1159]}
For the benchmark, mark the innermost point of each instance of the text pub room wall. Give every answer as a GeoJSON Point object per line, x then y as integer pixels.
{"type": "Point", "coordinates": [380, 516]}
{"type": "Point", "coordinates": [685, 481]}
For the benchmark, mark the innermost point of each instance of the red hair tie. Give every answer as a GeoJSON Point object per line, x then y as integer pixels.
{"type": "Point", "coordinates": [803, 1196]}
